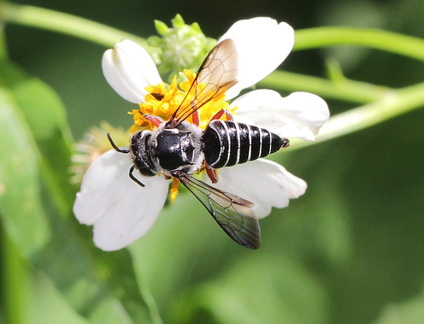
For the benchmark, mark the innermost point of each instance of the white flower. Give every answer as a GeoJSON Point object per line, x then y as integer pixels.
{"type": "Point", "coordinates": [122, 211]}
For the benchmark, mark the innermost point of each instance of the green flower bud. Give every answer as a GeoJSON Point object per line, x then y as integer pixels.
{"type": "Point", "coordinates": [181, 47]}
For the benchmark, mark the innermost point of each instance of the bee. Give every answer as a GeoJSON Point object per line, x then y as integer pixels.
{"type": "Point", "coordinates": [179, 149]}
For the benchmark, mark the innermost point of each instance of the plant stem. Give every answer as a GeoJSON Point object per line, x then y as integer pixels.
{"type": "Point", "coordinates": [392, 104]}
{"type": "Point", "coordinates": [346, 90]}
{"type": "Point", "coordinates": [305, 39]}
{"type": "Point", "coordinates": [13, 280]}
{"type": "Point", "coordinates": [3, 50]}
{"type": "Point", "coordinates": [378, 39]}
{"type": "Point", "coordinates": [67, 24]}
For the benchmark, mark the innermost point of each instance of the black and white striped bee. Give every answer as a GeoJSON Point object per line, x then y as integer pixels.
{"type": "Point", "coordinates": [178, 148]}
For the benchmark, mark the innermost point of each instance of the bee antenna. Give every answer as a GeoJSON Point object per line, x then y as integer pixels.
{"type": "Point", "coordinates": [114, 145]}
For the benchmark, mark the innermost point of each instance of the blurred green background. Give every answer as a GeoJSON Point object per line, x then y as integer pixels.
{"type": "Point", "coordinates": [349, 251]}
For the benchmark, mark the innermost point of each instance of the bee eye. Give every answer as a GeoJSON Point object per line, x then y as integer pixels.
{"type": "Point", "coordinates": [157, 96]}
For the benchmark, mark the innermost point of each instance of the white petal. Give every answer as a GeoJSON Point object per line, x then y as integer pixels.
{"type": "Point", "coordinates": [300, 114]}
{"type": "Point", "coordinates": [129, 69]}
{"type": "Point", "coordinates": [263, 182]}
{"type": "Point", "coordinates": [262, 45]}
{"type": "Point", "coordinates": [120, 210]}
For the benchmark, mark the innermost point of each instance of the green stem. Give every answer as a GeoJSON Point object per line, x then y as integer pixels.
{"type": "Point", "coordinates": [390, 105]}
{"type": "Point", "coordinates": [3, 50]}
{"type": "Point", "coordinates": [305, 39]}
{"type": "Point", "coordinates": [67, 24]}
{"type": "Point", "coordinates": [378, 39]}
{"type": "Point", "coordinates": [13, 281]}
{"type": "Point", "coordinates": [346, 90]}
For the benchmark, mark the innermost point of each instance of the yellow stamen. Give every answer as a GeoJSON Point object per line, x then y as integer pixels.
{"type": "Point", "coordinates": [174, 189]}
{"type": "Point", "coordinates": [162, 101]}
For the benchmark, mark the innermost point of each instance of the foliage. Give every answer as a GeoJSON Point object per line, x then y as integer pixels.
{"type": "Point", "coordinates": [347, 252]}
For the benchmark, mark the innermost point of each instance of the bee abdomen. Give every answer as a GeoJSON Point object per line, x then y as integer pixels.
{"type": "Point", "coordinates": [227, 143]}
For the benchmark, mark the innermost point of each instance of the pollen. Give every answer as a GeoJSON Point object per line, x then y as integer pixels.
{"type": "Point", "coordinates": [173, 192]}
{"type": "Point", "coordinates": [163, 100]}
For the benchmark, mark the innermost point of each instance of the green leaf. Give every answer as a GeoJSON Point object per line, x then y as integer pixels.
{"type": "Point", "coordinates": [411, 312]}
{"type": "Point", "coordinates": [36, 206]}
{"type": "Point", "coordinates": [46, 119]}
{"type": "Point", "coordinates": [265, 289]}
{"type": "Point", "coordinates": [21, 207]}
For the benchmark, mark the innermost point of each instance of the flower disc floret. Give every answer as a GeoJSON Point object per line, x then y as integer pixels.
{"type": "Point", "coordinates": [163, 100]}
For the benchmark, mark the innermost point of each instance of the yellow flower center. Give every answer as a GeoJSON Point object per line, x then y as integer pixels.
{"type": "Point", "coordinates": [163, 100]}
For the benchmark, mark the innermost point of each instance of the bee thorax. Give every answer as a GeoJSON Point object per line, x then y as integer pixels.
{"type": "Point", "coordinates": [167, 149]}
{"type": "Point", "coordinates": [174, 149]}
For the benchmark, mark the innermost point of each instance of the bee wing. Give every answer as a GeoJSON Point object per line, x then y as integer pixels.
{"type": "Point", "coordinates": [232, 213]}
{"type": "Point", "coordinates": [218, 71]}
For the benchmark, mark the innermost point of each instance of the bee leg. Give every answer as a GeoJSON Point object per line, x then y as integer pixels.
{"type": "Point", "coordinates": [156, 121]}
{"type": "Point", "coordinates": [221, 113]}
{"type": "Point", "coordinates": [212, 174]}
{"type": "Point", "coordinates": [195, 117]}
{"type": "Point", "coordinates": [229, 115]}
{"type": "Point", "coordinates": [132, 176]}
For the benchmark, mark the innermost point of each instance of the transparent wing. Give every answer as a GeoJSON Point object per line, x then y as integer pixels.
{"type": "Point", "coordinates": [234, 214]}
{"type": "Point", "coordinates": [218, 72]}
